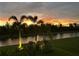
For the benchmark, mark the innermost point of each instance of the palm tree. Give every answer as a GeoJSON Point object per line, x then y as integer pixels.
{"type": "Point", "coordinates": [19, 29]}
{"type": "Point", "coordinates": [20, 41]}
{"type": "Point", "coordinates": [34, 20]}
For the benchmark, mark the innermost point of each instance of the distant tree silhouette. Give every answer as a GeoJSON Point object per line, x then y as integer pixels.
{"type": "Point", "coordinates": [7, 25]}
{"type": "Point", "coordinates": [40, 22]}
{"type": "Point", "coordinates": [75, 24]}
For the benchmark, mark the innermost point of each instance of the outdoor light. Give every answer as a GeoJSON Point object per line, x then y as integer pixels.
{"type": "Point", "coordinates": [20, 42]}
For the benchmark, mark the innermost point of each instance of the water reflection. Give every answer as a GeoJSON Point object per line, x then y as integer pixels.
{"type": "Point", "coordinates": [53, 36]}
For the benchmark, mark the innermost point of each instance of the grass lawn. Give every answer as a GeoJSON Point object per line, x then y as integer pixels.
{"type": "Point", "coordinates": [68, 46]}
{"type": "Point", "coordinates": [61, 47]}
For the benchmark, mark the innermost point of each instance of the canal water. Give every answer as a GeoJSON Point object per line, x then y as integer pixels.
{"type": "Point", "coordinates": [39, 38]}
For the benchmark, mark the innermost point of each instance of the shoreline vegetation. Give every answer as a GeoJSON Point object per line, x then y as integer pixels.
{"type": "Point", "coordinates": [12, 31]}
{"type": "Point", "coordinates": [62, 47]}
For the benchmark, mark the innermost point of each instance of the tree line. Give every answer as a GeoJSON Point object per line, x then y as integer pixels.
{"type": "Point", "coordinates": [12, 31]}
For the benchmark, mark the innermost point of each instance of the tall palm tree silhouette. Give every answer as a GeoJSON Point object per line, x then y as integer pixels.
{"type": "Point", "coordinates": [19, 29]}
{"type": "Point", "coordinates": [20, 41]}
{"type": "Point", "coordinates": [15, 18]}
{"type": "Point", "coordinates": [34, 19]}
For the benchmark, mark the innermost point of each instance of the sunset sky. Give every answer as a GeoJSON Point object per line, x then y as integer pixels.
{"type": "Point", "coordinates": [64, 11]}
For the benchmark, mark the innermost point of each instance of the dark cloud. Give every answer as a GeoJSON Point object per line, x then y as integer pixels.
{"type": "Point", "coordinates": [57, 9]}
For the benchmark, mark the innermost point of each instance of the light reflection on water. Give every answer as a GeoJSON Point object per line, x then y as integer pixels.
{"type": "Point", "coordinates": [39, 38]}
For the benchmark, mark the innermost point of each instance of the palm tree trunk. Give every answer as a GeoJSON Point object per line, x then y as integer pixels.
{"type": "Point", "coordinates": [20, 42]}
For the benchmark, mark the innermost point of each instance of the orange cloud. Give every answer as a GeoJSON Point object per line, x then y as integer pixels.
{"type": "Point", "coordinates": [55, 21]}
{"type": "Point", "coordinates": [4, 20]}
{"type": "Point", "coordinates": [48, 20]}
